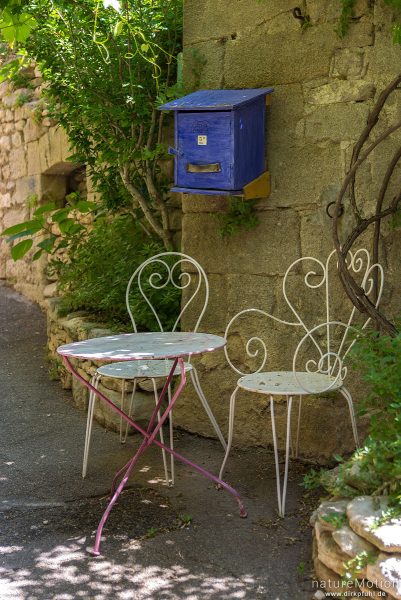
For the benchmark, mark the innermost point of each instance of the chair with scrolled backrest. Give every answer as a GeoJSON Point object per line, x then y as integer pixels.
{"type": "Point", "coordinates": [331, 340]}
{"type": "Point", "coordinates": [155, 275]}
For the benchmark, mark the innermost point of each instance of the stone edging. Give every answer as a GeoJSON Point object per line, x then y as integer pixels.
{"type": "Point", "coordinates": [349, 536]}
{"type": "Point", "coordinates": [80, 326]}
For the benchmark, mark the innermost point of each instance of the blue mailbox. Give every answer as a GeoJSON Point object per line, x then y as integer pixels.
{"type": "Point", "coordinates": [220, 142]}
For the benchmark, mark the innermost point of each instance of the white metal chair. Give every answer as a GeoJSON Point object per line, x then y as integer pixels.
{"type": "Point", "coordinates": [179, 271]}
{"type": "Point", "coordinates": [324, 371]}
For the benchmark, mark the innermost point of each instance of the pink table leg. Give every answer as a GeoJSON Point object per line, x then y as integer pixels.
{"type": "Point", "coordinates": [149, 438]}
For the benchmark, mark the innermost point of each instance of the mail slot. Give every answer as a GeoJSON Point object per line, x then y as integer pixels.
{"type": "Point", "coordinates": [220, 142]}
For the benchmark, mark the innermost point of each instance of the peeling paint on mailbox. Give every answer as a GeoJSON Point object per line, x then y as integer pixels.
{"type": "Point", "coordinates": [220, 142]}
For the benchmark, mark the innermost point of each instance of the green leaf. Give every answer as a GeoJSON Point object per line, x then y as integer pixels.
{"type": "Point", "coordinates": [65, 225]}
{"type": "Point", "coordinates": [144, 48]}
{"type": "Point", "coordinates": [20, 249]}
{"type": "Point", "coordinates": [37, 255]}
{"type": "Point", "coordinates": [49, 207]}
{"type": "Point", "coordinates": [84, 206]}
{"type": "Point", "coordinates": [32, 226]}
{"type": "Point", "coordinates": [47, 244]}
{"type": "Point", "coordinates": [60, 215]}
{"type": "Point", "coordinates": [118, 27]}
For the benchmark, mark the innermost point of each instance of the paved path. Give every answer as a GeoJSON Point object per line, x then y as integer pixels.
{"type": "Point", "coordinates": [164, 544]}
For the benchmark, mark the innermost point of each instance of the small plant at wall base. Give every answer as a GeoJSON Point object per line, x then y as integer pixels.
{"type": "Point", "coordinates": [107, 66]}
{"type": "Point", "coordinates": [240, 215]}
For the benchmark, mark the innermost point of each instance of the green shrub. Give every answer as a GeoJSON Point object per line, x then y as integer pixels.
{"type": "Point", "coordinates": [375, 468]}
{"type": "Point", "coordinates": [98, 268]}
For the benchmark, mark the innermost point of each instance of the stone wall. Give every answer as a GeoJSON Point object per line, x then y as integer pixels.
{"type": "Point", "coordinates": [324, 89]}
{"type": "Point", "coordinates": [34, 169]}
{"type": "Point", "coordinates": [352, 538]}
{"type": "Point", "coordinates": [80, 326]}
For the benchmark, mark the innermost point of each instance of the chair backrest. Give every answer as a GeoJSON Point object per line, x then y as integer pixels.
{"type": "Point", "coordinates": [330, 339]}
{"type": "Point", "coordinates": [174, 269]}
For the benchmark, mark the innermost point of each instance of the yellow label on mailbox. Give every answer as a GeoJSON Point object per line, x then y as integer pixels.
{"type": "Point", "coordinates": [202, 140]}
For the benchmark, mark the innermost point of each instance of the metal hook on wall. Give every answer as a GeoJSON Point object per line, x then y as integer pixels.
{"type": "Point", "coordinates": [340, 211]}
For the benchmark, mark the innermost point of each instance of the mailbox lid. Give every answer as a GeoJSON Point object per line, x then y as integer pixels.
{"type": "Point", "coordinates": [205, 150]}
{"type": "Point", "coordinates": [211, 100]}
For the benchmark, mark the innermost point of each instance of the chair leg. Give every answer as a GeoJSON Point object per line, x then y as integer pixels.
{"type": "Point", "coordinates": [348, 398]}
{"type": "Point", "coordinates": [290, 441]}
{"type": "Point", "coordinates": [287, 455]}
{"type": "Point", "coordinates": [278, 484]}
{"type": "Point", "coordinates": [205, 404]}
{"type": "Point", "coordinates": [298, 427]}
{"type": "Point", "coordinates": [89, 420]}
{"type": "Point", "coordinates": [130, 411]}
{"type": "Point", "coordinates": [171, 431]}
{"type": "Point", "coordinates": [161, 432]}
{"type": "Point", "coordinates": [122, 406]}
{"type": "Point", "coordinates": [230, 431]}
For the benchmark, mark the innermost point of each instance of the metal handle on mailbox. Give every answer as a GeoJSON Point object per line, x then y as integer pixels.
{"type": "Point", "coordinates": [210, 168]}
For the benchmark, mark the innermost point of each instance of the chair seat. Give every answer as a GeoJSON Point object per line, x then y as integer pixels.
{"type": "Point", "coordinates": [140, 368]}
{"type": "Point", "coordinates": [286, 383]}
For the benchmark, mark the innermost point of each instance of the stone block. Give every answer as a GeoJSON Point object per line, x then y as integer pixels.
{"type": "Point", "coordinates": [5, 200]}
{"type": "Point", "coordinates": [259, 57]}
{"type": "Point", "coordinates": [315, 221]}
{"type": "Point", "coordinates": [331, 555]}
{"type": "Point", "coordinates": [285, 112]}
{"type": "Point", "coordinates": [263, 250]}
{"type": "Point", "coordinates": [18, 164]}
{"type": "Point", "coordinates": [33, 158]}
{"type": "Point", "coordinates": [293, 173]}
{"type": "Point", "coordinates": [204, 65]}
{"type": "Point", "coordinates": [348, 63]}
{"type": "Point", "coordinates": [5, 143]}
{"type": "Point", "coordinates": [363, 513]}
{"type": "Point", "coordinates": [360, 34]}
{"type": "Point", "coordinates": [9, 99]}
{"type": "Point", "coordinates": [4, 89]}
{"type": "Point", "coordinates": [337, 122]}
{"type": "Point", "coordinates": [25, 187]}
{"type": "Point", "coordinates": [384, 61]}
{"type": "Point", "coordinates": [212, 19]}
{"type": "Point", "coordinates": [8, 128]}
{"type": "Point", "coordinates": [32, 130]}
{"type": "Point", "coordinates": [386, 573]}
{"type": "Point", "coordinates": [340, 91]}
{"type": "Point", "coordinates": [350, 543]}
{"type": "Point", "coordinates": [16, 139]}
{"type": "Point", "coordinates": [54, 151]}
{"type": "Point", "coordinates": [19, 125]}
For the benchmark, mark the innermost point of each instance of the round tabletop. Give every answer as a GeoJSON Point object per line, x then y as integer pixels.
{"type": "Point", "coordinates": [139, 346]}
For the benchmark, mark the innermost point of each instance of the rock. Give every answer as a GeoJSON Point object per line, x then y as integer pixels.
{"type": "Point", "coordinates": [50, 290]}
{"type": "Point", "coordinates": [351, 543]}
{"type": "Point", "coordinates": [386, 574]}
{"type": "Point", "coordinates": [327, 581]}
{"type": "Point", "coordinates": [341, 91]}
{"type": "Point", "coordinates": [363, 513]}
{"type": "Point", "coordinates": [330, 554]}
{"type": "Point", "coordinates": [333, 509]}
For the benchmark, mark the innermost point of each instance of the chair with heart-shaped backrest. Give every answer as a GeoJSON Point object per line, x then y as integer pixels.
{"type": "Point", "coordinates": [321, 351]}
{"type": "Point", "coordinates": [155, 278]}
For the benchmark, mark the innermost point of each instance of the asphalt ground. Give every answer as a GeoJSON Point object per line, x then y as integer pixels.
{"type": "Point", "coordinates": [159, 543]}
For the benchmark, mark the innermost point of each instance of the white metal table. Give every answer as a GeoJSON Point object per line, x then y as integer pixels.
{"type": "Point", "coordinates": [145, 346]}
